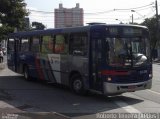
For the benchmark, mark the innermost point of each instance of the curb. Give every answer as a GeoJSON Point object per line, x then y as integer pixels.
{"type": "Point", "coordinates": [42, 115]}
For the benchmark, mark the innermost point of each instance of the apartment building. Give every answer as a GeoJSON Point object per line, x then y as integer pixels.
{"type": "Point", "coordinates": [68, 17]}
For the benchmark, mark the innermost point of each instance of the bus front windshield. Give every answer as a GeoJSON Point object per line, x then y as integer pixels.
{"type": "Point", "coordinates": [124, 52]}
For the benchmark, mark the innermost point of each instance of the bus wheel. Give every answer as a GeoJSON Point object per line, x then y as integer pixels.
{"type": "Point", "coordinates": [26, 73]}
{"type": "Point", "coordinates": [77, 84]}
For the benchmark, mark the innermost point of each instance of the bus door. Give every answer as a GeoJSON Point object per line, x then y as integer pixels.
{"type": "Point", "coordinates": [96, 61]}
{"type": "Point", "coordinates": [13, 48]}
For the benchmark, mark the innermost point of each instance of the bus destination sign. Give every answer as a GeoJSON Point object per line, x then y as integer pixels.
{"type": "Point", "coordinates": [132, 31]}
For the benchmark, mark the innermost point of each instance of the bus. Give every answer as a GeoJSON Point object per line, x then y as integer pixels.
{"type": "Point", "coordinates": [106, 58]}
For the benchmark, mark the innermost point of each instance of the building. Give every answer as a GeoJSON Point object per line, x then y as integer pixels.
{"type": "Point", "coordinates": [65, 17]}
{"type": "Point", "coordinates": [27, 23]}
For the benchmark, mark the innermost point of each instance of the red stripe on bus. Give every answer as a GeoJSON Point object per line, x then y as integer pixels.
{"type": "Point", "coordinates": [113, 72]}
{"type": "Point", "coordinates": [39, 70]}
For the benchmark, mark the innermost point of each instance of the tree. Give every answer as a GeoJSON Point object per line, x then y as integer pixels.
{"type": "Point", "coordinates": [151, 23]}
{"type": "Point", "coordinates": [38, 26]}
{"type": "Point", "coordinates": [12, 14]}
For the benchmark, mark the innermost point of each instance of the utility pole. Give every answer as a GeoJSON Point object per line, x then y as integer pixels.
{"type": "Point", "coordinates": [132, 18]}
{"type": "Point", "coordinates": [157, 28]}
{"type": "Point", "coordinates": [156, 4]}
{"type": "Point", "coordinates": [132, 15]}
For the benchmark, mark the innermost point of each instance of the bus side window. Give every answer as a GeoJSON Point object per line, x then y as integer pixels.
{"type": "Point", "coordinates": [61, 43]}
{"type": "Point", "coordinates": [78, 44]}
{"type": "Point", "coordinates": [10, 45]}
{"type": "Point", "coordinates": [35, 44]}
{"type": "Point", "coordinates": [24, 44]}
{"type": "Point", "coordinates": [47, 44]}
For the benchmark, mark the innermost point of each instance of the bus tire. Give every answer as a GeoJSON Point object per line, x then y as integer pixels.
{"type": "Point", "coordinates": [77, 84]}
{"type": "Point", "coordinates": [26, 73]}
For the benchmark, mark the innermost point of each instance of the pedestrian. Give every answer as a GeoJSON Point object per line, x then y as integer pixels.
{"type": "Point", "coordinates": [1, 56]}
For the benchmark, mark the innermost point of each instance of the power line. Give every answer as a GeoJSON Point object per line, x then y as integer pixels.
{"type": "Point", "coordinates": [45, 12]}
{"type": "Point", "coordinates": [50, 14]}
{"type": "Point", "coordinates": [121, 10]}
{"type": "Point", "coordinates": [95, 13]}
{"type": "Point", "coordinates": [136, 7]}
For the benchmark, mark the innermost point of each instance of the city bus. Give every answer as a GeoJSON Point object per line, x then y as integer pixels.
{"type": "Point", "coordinates": [109, 59]}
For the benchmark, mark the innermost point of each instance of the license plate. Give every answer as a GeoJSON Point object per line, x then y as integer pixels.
{"type": "Point", "coordinates": [131, 87]}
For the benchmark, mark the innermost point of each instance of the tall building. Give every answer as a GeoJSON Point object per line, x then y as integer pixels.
{"type": "Point", "coordinates": [65, 17]}
{"type": "Point", "coordinates": [27, 23]}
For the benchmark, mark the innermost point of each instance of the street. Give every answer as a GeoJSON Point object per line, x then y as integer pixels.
{"type": "Point", "coordinates": [20, 99]}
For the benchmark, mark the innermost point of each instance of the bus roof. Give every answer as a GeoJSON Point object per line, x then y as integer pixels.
{"type": "Point", "coordinates": [68, 30]}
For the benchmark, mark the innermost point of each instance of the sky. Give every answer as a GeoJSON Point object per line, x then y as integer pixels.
{"type": "Point", "coordinates": [106, 11]}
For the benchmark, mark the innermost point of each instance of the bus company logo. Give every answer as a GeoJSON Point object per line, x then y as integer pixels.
{"type": "Point", "coordinates": [55, 60]}
{"type": "Point", "coordinates": [143, 72]}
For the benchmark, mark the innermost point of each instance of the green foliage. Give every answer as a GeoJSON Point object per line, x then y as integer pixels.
{"type": "Point", "coordinates": [4, 30]}
{"type": "Point", "coordinates": [12, 14]}
{"type": "Point", "coordinates": [151, 23]}
{"type": "Point", "coordinates": [38, 26]}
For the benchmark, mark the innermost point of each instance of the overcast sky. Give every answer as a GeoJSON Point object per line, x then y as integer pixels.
{"type": "Point", "coordinates": [108, 11]}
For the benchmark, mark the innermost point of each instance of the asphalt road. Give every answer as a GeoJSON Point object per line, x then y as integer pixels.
{"type": "Point", "coordinates": [20, 99]}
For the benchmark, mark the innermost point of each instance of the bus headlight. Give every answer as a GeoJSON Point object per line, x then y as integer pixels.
{"type": "Point", "coordinates": [150, 75]}
{"type": "Point", "coordinates": [109, 79]}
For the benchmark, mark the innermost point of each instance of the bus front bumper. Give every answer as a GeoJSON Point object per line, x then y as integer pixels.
{"type": "Point", "coordinates": [113, 88]}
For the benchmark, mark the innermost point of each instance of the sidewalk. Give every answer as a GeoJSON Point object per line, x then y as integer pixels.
{"type": "Point", "coordinates": [2, 65]}
{"type": "Point", "coordinates": [10, 108]}
{"type": "Point", "coordinates": [156, 61]}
